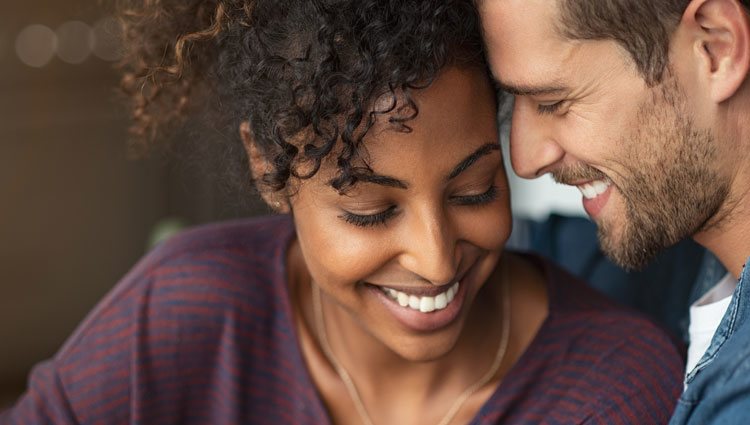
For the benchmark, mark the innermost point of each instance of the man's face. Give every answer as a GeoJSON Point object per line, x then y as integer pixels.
{"type": "Point", "coordinates": [583, 113]}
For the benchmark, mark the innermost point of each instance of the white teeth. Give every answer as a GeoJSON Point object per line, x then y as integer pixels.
{"type": "Point", "coordinates": [441, 301]}
{"type": "Point", "coordinates": [594, 189]}
{"type": "Point", "coordinates": [414, 302]}
{"type": "Point", "coordinates": [423, 304]}
{"type": "Point", "coordinates": [427, 304]}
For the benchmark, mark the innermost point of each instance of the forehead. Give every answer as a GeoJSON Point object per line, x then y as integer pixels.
{"type": "Point", "coordinates": [456, 113]}
{"type": "Point", "coordinates": [523, 40]}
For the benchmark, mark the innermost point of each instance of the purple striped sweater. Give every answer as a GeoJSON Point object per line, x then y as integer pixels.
{"type": "Point", "coordinates": [200, 332]}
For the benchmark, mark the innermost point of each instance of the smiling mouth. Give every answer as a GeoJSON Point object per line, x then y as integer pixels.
{"type": "Point", "coordinates": [423, 304]}
{"type": "Point", "coordinates": [594, 188]}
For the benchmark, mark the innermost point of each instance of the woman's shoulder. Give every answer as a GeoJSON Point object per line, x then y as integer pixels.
{"type": "Point", "coordinates": [607, 334]}
{"type": "Point", "coordinates": [238, 253]}
{"type": "Point", "coordinates": [239, 259]}
{"type": "Point", "coordinates": [259, 236]}
{"type": "Point", "coordinates": [194, 283]}
{"type": "Point", "coordinates": [586, 319]}
{"type": "Point", "coordinates": [570, 297]}
{"type": "Point", "coordinates": [610, 359]}
{"type": "Point", "coordinates": [203, 313]}
{"type": "Point", "coordinates": [241, 255]}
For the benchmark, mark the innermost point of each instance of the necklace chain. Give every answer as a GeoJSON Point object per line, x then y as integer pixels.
{"type": "Point", "coordinates": [456, 406]}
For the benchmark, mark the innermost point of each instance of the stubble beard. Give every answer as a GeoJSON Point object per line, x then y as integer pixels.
{"type": "Point", "coordinates": [671, 189]}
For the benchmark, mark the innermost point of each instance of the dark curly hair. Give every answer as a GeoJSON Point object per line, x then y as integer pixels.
{"type": "Point", "coordinates": [305, 74]}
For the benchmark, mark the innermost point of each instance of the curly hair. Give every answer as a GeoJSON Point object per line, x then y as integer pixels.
{"type": "Point", "coordinates": [305, 74]}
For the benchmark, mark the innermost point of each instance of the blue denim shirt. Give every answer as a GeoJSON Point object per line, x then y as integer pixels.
{"type": "Point", "coordinates": [718, 389]}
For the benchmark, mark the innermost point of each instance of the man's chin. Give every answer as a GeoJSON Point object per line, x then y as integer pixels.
{"type": "Point", "coordinates": [626, 248]}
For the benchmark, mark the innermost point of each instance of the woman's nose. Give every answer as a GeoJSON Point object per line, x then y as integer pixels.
{"type": "Point", "coordinates": [430, 248]}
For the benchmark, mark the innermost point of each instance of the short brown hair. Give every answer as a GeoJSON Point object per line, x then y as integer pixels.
{"type": "Point", "coordinates": [642, 27]}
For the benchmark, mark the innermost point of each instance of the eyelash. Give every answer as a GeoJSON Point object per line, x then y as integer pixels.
{"type": "Point", "coordinates": [369, 220]}
{"type": "Point", "coordinates": [481, 199]}
{"type": "Point", "coordinates": [549, 109]}
{"type": "Point", "coordinates": [381, 218]}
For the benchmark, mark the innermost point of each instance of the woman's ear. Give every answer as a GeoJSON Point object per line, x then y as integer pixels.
{"type": "Point", "coordinates": [259, 166]}
{"type": "Point", "coordinates": [721, 39]}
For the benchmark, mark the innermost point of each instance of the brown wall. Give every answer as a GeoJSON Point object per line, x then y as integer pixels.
{"type": "Point", "coordinates": [75, 213]}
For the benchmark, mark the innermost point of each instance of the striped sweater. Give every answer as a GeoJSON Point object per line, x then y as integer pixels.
{"type": "Point", "coordinates": [201, 332]}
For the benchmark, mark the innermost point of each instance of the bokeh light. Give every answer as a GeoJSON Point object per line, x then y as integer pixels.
{"type": "Point", "coordinates": [36, 45]}
{"type": "Point", "coordinates": [106, 39]}
{"type": "Point", "coordinates": [74, 41]}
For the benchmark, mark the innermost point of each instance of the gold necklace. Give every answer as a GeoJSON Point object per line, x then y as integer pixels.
{"type": "Point", "coordinates": [352, 389]}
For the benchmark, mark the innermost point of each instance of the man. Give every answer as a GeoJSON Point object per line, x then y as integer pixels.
{"type": "Point", "coordinates": [644, 105]}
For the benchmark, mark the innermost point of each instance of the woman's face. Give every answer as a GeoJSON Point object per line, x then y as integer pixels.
{"type": "Point", "coordinates": [404, 255]}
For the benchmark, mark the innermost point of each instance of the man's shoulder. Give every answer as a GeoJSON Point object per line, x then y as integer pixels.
{"type": "Point", "coordinates": [722, 394]}
{"type": "Point", "coordinates": [719, 391]}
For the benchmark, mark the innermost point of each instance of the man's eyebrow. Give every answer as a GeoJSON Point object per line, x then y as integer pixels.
{"type": "Point", "coordinates": [471, 159]}
{"type": "Point", "coordinates": [529, 90]}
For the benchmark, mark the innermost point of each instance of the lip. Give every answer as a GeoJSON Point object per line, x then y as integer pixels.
{"type": "Point", "coordinates": [594, 206]}
{"type": "Point", "coordinates": [417, 321]}
{"type": "Point", "coordinates": [579, 182]}
{"type": "Point", "coordinates": [420, 291]}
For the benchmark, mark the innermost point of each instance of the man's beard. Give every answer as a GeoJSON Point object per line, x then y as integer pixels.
{"type": "Point", "coordinates": [670, 187]}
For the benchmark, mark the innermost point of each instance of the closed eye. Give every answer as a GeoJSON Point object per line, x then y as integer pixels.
{"type": "Point", "coordinates": [369, 220]}
{"type": "Point", "coordinates": [382, 217]}
{"type": "Point", "coordinates": [480, 199]}
{"type": "Point", "coordinates": [548, 109]}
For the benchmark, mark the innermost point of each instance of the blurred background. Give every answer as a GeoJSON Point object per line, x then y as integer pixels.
{"type": "Point", "coordinates": [75, 211]}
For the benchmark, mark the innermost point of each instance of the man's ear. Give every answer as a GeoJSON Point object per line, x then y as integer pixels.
{"type": "Point", "coordinates": [720, 33]}
{"type": "Point", "coordinates": [259, 166]}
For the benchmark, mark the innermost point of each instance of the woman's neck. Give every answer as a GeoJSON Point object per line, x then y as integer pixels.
{"type": "Point", "coordinates": [395, 389]}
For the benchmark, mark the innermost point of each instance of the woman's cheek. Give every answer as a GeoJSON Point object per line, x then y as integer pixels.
{"type": "Point", "coordinates": [346, 254]}
{"type": "Point", "coordinates": [488, 227]}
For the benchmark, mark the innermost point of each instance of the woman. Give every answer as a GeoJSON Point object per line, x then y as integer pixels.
{"type": "Point", "coordinates": [381, 294]}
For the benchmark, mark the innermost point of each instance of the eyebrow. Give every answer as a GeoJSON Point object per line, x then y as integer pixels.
{"type": "Point", "coordinates": [382, 180]}
{"type": "Point", "coordinates": [528, 90]}
{"type": "Point", "coordinates": [483, 150]}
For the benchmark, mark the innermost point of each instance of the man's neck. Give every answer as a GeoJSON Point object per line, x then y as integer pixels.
{"type": "Point", "coordinates": [729, 237]}
{"type": "Point", "coordinates": [727, 234]}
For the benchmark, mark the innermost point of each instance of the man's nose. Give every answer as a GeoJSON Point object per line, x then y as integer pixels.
{"type": "Point", "coordinates": [533, 149]}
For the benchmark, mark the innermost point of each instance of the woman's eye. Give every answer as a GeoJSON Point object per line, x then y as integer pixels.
{"type": "Point", "coordinates": [480, 199]}
{"type": "Point", "coordinates": [382, 217]}
{"type": "Point", "coordinates": [549, 108]}
{"type": "Point", "coordinates": [369, 220]}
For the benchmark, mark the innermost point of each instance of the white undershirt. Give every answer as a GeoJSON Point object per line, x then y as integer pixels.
{"type": "Point", "coordinates": [705, 316]}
